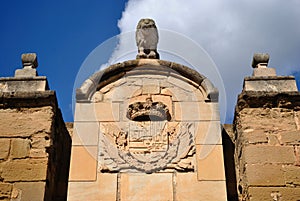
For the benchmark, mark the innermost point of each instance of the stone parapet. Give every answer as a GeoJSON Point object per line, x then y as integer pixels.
{"type": "Point", "coordinates": [267, 138]}
{"type": "Point", "coordinates": [35, 145]}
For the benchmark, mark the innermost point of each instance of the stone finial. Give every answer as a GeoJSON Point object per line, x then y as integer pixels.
{"type": "Point", "coordinates": [260, 60]}
{"type": "Point", "coordinates": [29, 60]}
{"type": "Point", "coordinates": [146, 37]}
{"type": "Point", "coordinates": [30, 63]}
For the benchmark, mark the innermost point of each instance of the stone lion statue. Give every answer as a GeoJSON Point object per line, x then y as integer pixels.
{"type": "Point", "coordinates": [146, 37]}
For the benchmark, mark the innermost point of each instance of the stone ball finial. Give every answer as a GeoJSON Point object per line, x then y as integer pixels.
{"type": "Point", "coordinates": [146, 37]}
{"type": "Point", "coordinates": [260, 60]}
{"type": "Point", "coordinates": [29, 60]}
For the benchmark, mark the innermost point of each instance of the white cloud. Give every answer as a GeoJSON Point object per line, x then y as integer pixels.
{"type": "Point", "coordinates": [230, 31]}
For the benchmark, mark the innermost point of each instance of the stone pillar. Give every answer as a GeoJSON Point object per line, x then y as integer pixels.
{"type": "Point", "coordinates": [34, 142]}
{"type": "Point", "coordinates": [147, 129]}
{"type": "Point", "coordinates": [267, 129]}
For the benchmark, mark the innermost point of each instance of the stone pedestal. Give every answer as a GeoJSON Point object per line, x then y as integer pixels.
{"type": "Point", "coordinates": [34, 142]}
{"type": "Point", "coordinates": [267, 138]}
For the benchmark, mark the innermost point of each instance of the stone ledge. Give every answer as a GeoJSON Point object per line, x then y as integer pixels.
{"type": "Point", "coordinates": [260, 99]}
{"type": "Point", "coordinates": [27, 99]}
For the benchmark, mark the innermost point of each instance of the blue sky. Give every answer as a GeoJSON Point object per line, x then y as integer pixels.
{"type": "Point", "coordinates": [64, 33]}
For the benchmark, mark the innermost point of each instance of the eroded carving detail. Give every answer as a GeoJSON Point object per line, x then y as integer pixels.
{"type": "Point", "coordinates": [148, 110]}
{"type": "Point", "coordinates": [149, 147]}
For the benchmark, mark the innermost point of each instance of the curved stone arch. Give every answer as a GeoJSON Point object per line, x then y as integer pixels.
{"type": "Point", "coordinates": [116, 71]}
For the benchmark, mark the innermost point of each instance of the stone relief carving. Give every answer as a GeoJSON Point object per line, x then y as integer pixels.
{"type": "Point", "coordinates": [148, 111]}
{"type": "Point", "coordinates": [148, 147]}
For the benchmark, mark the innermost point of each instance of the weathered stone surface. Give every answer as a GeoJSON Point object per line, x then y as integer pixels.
{"type": "Point", "coordinates": [25, 170]}
{"type": "Point", "coordinates": [85, 133]}
{"type": "Point", "coordinates": [151, 187]}
{"type": "Point", "coordinates": [4, 148]}
{"type": "Point", "coordinates": [83, 166]}
{"type": "Point", "coordinates": [24, 84]}
{"type": "Point", "coordinates": [279, 119]}
{"type": "Point", "coordinates": [292, 175]}
{"type": "Point", "coordinates": [261, 99]}
{"type": "Point", "coordinates": [5, 190]}
{"type": "Point", "coordinates": [102, 111]}
{"type": "Point", "coordinates": [151, 89]}
{"type": "Point", "coordinates": [26, 72]}
{"type": "Point", "coordinates": [255, 136]}
{"type": "Point", "coordinates": [273, 193]}
{"type": "Point", "coordinates": [188, 188]}
{"type": "Point", "coordinates": [290, 137]}
{"type": "Point", "coordinates": [28, 191]}
{"type": "Point", "coordinates": [269, 154]}
{"type": "Point", "coordinates": [188, 111]}
{"type": "Point", "coordinates": [85, 112]}
{"type": "Point", "coordinates": [20, 148]}
{"type": "Point", "coordinates": [264, 175]}
{"type": "Point", "coordinates": [25, 122]}
{"type": "Point", "coordinates": [270, 84]}
{"type": "Point", "coordinates": [264, 72]}
{"type": "Point", "coordinates": [104, 188]}
{"type": "Point", "coordinates": [260, 58]}
{"type": "Point", "coordinates": [40, 141]}
{"type": "Point", "coordinates": [29, 60]}
{"type": "Point", "coordinates": [208, 132]}
{"type": "Point", "coordinates": [210, 162]}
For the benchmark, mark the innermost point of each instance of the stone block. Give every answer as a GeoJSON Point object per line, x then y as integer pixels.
{"type": "Point", "coordinates": [20, 148]}
{"type": "Point", "coordinates": [25, 170]}
{"type": "Point", "coordinates": [264, 175]}
{"type": "Point", "coordinates": [25, 122]}
{"type": "Point", "coordinates": [104, 188]}
{"type": "Point", "coordinates": [4, 148]}
{"type": "Point", "coordinates": [180, 82]}
{"type": "Point", "coordinates": [38, 153]}
{"type": "Point", "coordinates": [166, 92]}
{"type": "Point", "coordinates": [107, 111]}
{"type": "Point", "coordinates": [197, 111]}
{"type": "Point", "coordinates": [292, 175]}
{"type": "Point", "coordinates": [208, 132]}
{"type": "Point", "coordinates": [181, 95]}
{"type": "Point", "coordinates": [150, 187]}
{"type": "Point", "coordinates": [188, 188]}
{"type": "Point", "coordinates": [40, 141]}
{"type": "Point", "coordinates": [273, 193]}
{"type": "Point", "coordinates": [24, 84]}
{"type": "Point", "coordinates": [28, 191]}
{"type": "Point", "coordinates": [26, 72]}
{"type": "Point", "coordinates": [210, 162]}
{"type": "Point", "coordinates": [290, 137]}
{"type": "Point", "coordinates": [121, 93]}
{"type": "Point", "coordinates": [264, 72]}
{"type": "Point", "coordinates": [85, 112]}
{"type": "Point", "coordinates": [269, 154]}
{"type": "Point", "coordinates": [255, 136]}
{"type": "Point", "coordinates": [271, 84]}
{"type": "Point", "coordinates": [85, 133]}
{"type": "Point", "coordinates": [102, 111]}
{"type": "Point", "coordinates": [151, 89]}
{"type": "Point", "coordinates": [83, 165]}
{"type": "Point", "coordinates": [5, 190]}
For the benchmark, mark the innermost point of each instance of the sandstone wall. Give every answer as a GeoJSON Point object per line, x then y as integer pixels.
{"type": "Point", "coordinates": [34, 147]}
{"type": "Point", "coordinates": [147, 132]}
{"type": "Point", "coordinates": [267, 144]}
